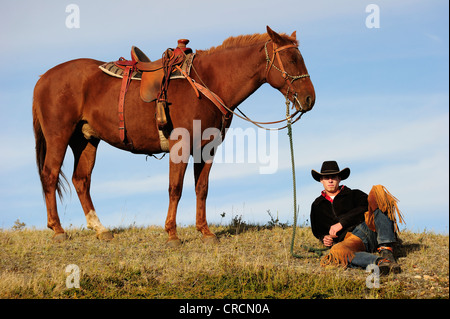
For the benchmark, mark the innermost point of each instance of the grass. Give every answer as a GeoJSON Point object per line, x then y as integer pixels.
{"type": "Point", "coordinates": [251, 261]}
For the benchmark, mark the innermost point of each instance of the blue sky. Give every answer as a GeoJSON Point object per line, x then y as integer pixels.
{"type": "Point", "coordinates": [382, 106]}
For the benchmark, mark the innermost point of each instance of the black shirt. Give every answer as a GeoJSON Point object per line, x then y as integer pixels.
{"type": "Point", "coordinates": [347, 208]}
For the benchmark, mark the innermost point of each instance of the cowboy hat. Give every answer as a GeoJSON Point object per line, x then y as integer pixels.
{"type": "Point", "coordinates": [330, 168]}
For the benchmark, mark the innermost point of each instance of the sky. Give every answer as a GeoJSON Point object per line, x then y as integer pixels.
{"type": "Point", "coordinates": [382, 107]}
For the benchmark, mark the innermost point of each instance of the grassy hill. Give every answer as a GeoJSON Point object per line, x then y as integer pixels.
{"type": "Point", "coordinates": [249, 262]}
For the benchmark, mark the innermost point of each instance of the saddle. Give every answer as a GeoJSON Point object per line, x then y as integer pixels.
{"type": "Point", "coordinates": [147, 71]}
{"type": "Point", "coordinates": [155, 77]}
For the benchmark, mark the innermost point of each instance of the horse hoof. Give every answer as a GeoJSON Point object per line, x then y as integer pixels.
{"type": "Point", "coordinates": [210, 240]}
{"type": "Point", "coordinates": [60, 237]}
{"type": "Point", "coordinates": [106, 236]}
{"type": "Point", "coordinates": [173, 243]}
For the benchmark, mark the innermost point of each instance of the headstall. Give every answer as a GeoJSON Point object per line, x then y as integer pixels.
{"type": "Point", "coordinates": [289, 79]}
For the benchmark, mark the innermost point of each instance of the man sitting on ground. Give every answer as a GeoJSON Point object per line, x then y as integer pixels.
{"type": "Point", "coordinates": [353, 223]}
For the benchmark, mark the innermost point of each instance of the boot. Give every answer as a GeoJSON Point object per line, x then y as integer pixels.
{"type": "Point", "coordinates": [387, 262]}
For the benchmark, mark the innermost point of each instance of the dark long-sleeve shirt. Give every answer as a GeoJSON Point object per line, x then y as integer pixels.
{"type": "Point", "coordinates": [347, 208]}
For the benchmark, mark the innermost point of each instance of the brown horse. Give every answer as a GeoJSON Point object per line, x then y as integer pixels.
{"type": "Point", "coordinates": [75, 104]}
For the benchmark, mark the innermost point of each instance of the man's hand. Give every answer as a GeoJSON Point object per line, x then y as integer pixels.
{"type": "Point", "coordinates": [335, 229]}
{"type": "Point", "coordinates": [328, 240]}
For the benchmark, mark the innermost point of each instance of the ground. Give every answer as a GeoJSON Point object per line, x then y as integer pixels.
{"type": "Point", "coordinates": [248, 262]}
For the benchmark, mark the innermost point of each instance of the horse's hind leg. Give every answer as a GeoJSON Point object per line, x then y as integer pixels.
{"type": "Point", "coordinates": [55, 152]}
{"type": "Point", "coordinates": [84, 155]}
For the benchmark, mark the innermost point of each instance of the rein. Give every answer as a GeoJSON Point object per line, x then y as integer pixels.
{"type": "Point", "coordinates": [317, 251]}
{"type": "Point", "coordinates": [290, 119]}
{"type": "Point", "coordinates": [221, 105]}
{"type": "Point", "coordinates": [286, 77]}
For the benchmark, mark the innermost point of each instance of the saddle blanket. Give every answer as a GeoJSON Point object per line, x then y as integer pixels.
{"type": "Point", "coordinates": [113, 69]}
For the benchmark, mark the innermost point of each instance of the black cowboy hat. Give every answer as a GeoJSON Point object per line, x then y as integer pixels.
{"type": "Point", "coordinates": [330, 168]}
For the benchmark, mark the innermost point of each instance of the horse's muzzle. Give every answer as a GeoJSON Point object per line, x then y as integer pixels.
{"type": "Point", "coordinates": [304, 104]}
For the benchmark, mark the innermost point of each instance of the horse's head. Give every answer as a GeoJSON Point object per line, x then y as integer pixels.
{"type": "Point", "coordinates": [286, 70]}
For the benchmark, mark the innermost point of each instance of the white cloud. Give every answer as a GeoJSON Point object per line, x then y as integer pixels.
{"type": "Point", "coordinates": [409, 157]}
{"type": "Point", "coordinates": [368, 143]}
{"type": "Point", "coordinates": [433, 37]}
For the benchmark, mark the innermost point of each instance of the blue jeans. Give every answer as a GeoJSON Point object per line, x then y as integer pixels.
{"type": "Point", "coordinates": [384, 235]}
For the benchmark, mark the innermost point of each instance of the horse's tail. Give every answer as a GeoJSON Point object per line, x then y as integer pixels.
{"type": "Point", "coordinates": [41, 151]}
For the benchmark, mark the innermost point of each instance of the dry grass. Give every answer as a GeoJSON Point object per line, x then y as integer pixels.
{"type": "Point", "coordinates": [249, 262]}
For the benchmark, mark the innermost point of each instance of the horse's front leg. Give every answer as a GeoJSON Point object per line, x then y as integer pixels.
{"type": "Point", "coordinates": [201, 174]}
{"type": "Point", "coordinates": [176, 178]}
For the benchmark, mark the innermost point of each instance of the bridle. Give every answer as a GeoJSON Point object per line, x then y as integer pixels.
{"type": "Point", "coordinates": [290, 119]}
{"type": "Point", "coordinates": [289, 79]}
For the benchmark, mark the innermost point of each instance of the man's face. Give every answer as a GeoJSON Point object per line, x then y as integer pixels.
{"type": "Point", "coordinates": [330, 183]}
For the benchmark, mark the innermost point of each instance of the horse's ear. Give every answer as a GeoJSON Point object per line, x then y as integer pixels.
{"type": "Point", "coordinates": [294, 35]}
{"type": "Point", "coordinates": [274, 36]}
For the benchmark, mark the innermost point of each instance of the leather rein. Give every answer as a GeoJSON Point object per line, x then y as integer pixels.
{"type": "Point", "coordinates": [289, 79]}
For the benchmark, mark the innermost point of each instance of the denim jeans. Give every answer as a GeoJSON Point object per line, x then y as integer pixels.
{"type": "Point", "coordinates": [384, 235]}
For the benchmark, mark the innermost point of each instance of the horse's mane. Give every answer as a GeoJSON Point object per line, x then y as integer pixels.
{"type": "Point", "coordinates": [243, 41]}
